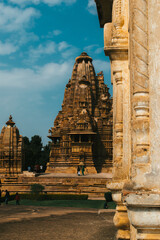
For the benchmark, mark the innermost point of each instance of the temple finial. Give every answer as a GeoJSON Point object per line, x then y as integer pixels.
{"type": "Point", "coordinates": [10, 122]}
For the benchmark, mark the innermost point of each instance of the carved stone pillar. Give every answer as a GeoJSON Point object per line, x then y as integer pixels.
{"type": "Point", "coordinates": [116, 47]}
{"type": "Point", "coordinates": [139, 89]}
{"type": "Point", "coordinates": [141, 185]}
{"type": "Point", "coordinates": [143, 196]}
{"type": "Point", "coordinates": [118, 127]}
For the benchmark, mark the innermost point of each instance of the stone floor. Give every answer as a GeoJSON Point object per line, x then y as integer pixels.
{"type": "Point", "coordinates": [27, 222]}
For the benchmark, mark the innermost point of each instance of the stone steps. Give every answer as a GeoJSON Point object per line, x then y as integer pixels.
{"type": "Point", "coordinates": [94, 187]}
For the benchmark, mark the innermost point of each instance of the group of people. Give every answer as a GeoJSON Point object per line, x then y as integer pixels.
{"type": "Point", "coordinates": [80, 169]}
{"type": "Point", "coordinates": [7, 197]}
{"type": "Point", "coordinates": [37, 168]}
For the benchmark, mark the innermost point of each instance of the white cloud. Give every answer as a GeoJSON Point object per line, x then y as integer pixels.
{"type": "Point", "coordinates": [99, 50]}
{"type": "Point", "coordinates": [7, 48]}
{"type": "Point", "coordinates": [67, 50]}
{"type": "Point", "coordinates": [64, 49]}
{"type": "Point", "coordinates": [44, 77]}
{"type": "Point", "coordinates": [38, 78]}
{"type": "Point", "coordinates": [91, 7]}
{"type": "Point", "coordinates": [63, 45]}
{"type": "Point", "coordinates": [48, 48]}
{"type": "Point", "coordinates": [14, 19]}
{"type": "Point", "coordinates": [2, 65]}
{"type": "Point", "coordinates": [91, 47]}
{"type": "Point", "coordinates": [58, 2]}
{"type": "Point", "coordinates": [48, 2]}
{"type": "Point", "coordinates": [25, 37]}
{"type": "Point", "coordinates": [102, 65]}
{"type": "Point", "coordinates": [69, 53]}
{"type": "Point", "coordinates": [94, 48]}
{"type": "Point", "coordinates": [57, 32]}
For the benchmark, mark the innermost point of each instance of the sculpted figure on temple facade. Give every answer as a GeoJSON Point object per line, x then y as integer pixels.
{"type": "Point", "coordinates": [84, 125]}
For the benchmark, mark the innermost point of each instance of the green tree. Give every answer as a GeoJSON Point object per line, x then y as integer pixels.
{"type": "Point", "coordinates": [37, 188]}
{"type": "Point", "coordinates": [34, 152]}
{"type": "Point", "coordinates": [27, 153]}
{"type": "Point", "coordinates": [44, 156]}
{"type": "Point", "coordinates": [36, 148]}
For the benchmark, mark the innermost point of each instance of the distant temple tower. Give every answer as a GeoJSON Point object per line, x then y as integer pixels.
{"type": "Point", "coordinates": [82, 132]}
{"type": "Point", "coordinates": [10, 149]}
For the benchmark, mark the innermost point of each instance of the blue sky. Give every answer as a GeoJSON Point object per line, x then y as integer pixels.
{"type": "Point", "coordinates": [40, 40]}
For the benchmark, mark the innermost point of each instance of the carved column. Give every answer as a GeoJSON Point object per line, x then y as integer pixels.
{"type": "Point", "coordinates": [118, 142]}
{"type": "Point", "coordinates": [120, 171]}
{"type": "Point", "coordinates": [116, 47]}
{"type": "Point", "coordinates": [139, 89]}
{"type": "Point", "coordinates": [140, 188]}
{"type": "Point", "coordinates": [143, 196]}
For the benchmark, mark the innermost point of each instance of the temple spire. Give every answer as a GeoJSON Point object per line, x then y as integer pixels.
{"type": "Point", "coordinates": [84, 123]}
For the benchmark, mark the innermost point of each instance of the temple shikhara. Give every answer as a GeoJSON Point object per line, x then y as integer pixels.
{"type": "Point", "coordinates": [82, 132]}
{"type": "Point", "coordinates": [10, 149]}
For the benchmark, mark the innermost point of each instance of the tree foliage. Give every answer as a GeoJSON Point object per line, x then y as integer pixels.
{"type": "Point", "coordinates": [34, 152]}
{"type": "Point", "coordinates": [36, 188]}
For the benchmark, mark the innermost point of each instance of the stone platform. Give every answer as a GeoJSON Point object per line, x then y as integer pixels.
{"type": "Point", "coordinates": [94, 184]}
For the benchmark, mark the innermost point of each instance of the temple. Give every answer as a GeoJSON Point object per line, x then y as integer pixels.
{"type": "Point", "coordinates": [10, 149]}
{"type": "Point", "coordinates": [82, 132]}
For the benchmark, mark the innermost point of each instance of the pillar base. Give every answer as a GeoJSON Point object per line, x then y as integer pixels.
{"type": "Point", "coordinates": [120, 220]}
{"type": "Point", "coordinates": [144, 215]}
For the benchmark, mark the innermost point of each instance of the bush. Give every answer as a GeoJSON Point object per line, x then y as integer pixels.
{"type": "Point", "coordinates": [42, 197]}
{"type": "Point", "coordinates": [37, 188]}
{"type": "Point", "coordinates": [108, 196]}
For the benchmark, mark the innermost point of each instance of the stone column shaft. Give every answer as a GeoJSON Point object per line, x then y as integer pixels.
{"type": "Point", "coordinates": [116, 47]}
{"type": "Point", "coordinates": [118, 126]}
{"type": "Point", "coordinates": [139, 89]}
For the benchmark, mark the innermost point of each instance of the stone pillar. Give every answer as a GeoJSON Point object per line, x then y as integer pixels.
{"type": "Point", "coordinates": [139, 89]}
{"type": "Point", "coordinates": [139, 187]}
{"type": "Point", "coordinates": [118, 127]}
{"type": "Point", "coordinates": [116, 47]}
{"type": "Point", "coordinates": [142, 194]}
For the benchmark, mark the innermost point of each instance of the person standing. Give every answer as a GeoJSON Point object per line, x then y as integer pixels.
{"type": "Point", "coordinates": [0, 196]}
{"type": "Point", "coordinates": [78, 171]}
{"type": "Point", "coordinates": [17, 198]}
{"type": "Point", "coordinates": [6, 197]}
{"type": "Point", "coordinates": [83, 170]}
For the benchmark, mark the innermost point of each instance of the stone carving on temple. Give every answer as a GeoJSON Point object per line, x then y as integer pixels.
{"type": "Point", "coordinates": [10, 149]}
{"type": "Point", "coordinates": [82, 132]}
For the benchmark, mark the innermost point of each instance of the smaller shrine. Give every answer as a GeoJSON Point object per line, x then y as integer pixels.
{"type": "Point", "coordinates": [10, 149]}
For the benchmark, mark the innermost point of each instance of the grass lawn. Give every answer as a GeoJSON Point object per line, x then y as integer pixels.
{"type": "Point", "coordinates": [98, 204]}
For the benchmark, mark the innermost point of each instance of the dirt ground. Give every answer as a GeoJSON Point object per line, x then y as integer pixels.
{"type": "Point", "coordinates": [39, 223]}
